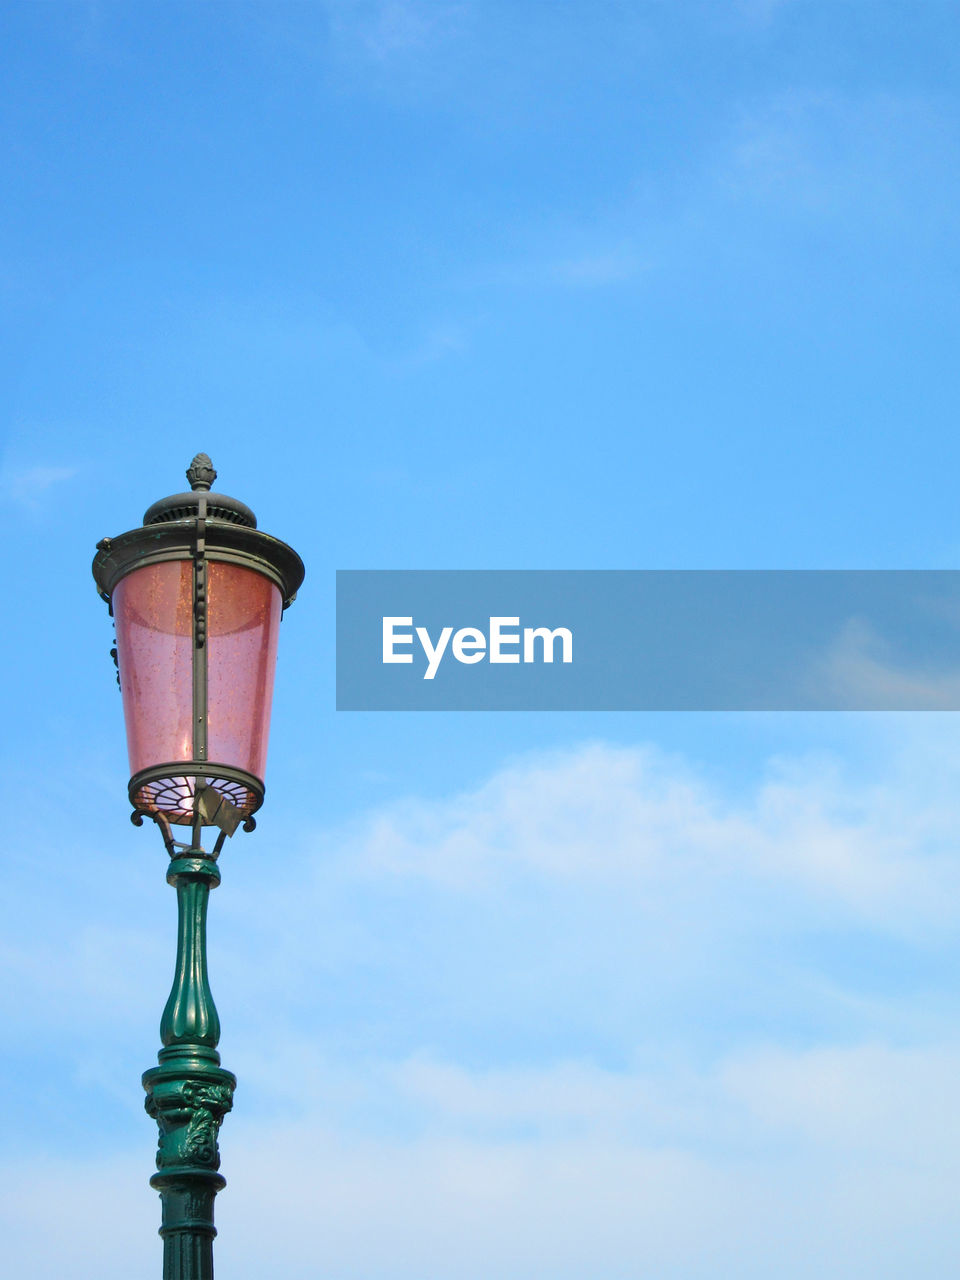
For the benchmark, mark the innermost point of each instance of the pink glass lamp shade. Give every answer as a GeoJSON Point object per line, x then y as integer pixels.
{"type": "Point", "coordinates": [154, 617]}
{"type": "Point", "coordinates": [197, 594]}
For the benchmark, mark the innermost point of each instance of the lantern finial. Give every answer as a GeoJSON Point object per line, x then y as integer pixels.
{"type": "Point", "coordinates": [200, 473]}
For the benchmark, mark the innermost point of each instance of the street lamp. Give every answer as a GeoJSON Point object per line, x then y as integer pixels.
{"type": "Point", "coordinates": [197, 593]}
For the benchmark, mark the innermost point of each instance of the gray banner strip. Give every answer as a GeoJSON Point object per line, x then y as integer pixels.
{"type": "Point", "coordinates": [648, 640]}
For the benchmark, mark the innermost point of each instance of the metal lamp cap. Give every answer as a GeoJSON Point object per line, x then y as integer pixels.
{"type": "Point", "coordinates": [184, 506]}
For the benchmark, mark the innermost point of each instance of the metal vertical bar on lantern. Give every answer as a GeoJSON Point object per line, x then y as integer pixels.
{"type": "Point", "coordinates": [197, 593]}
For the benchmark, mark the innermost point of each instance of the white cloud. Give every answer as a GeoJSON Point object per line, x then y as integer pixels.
{"type": "Point", "coordinates": [608, 892]}
{"type": "Point", "coordinates": [646, 822]}
{"type": "Point", "coordinates": [779, 1148]}
{"type": "Point", "coordinates": [835, 1101]}
{"type": "Point", "coordinates": [841, 1161]}
{"type": "Point", "coordinates": [862, 1101]}
{"type": "Point", "coordinates": [54, 1213]}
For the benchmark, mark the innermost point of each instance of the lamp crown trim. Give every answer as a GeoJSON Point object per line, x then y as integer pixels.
{"type": "Point", "coordinates": [186, 506]}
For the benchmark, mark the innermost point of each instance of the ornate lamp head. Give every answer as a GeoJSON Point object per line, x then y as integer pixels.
{"type": "Point", "coordinates": [197, 593]}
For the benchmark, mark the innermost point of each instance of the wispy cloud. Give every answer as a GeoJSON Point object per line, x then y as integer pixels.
{"type": "Point", "coordinates": [573, 267]}
{"type": "Point", "coordinates": [28, 487]}
{"type": "Point", "coordinates": [598, 896]}
{"type": "Point", "coordinates": [761, 13]}
{"type": "Point", "coordinates": [597, 269]}
{"type": "Point", "coordinates": [862, 668]}
{"type": "Point", "coordinates": [390, 27]}
{"type": "Point", "coordinates": [750, 1167]}
{"type": "Point", "coordinates": [827, 153]}
{"type": "Point", "coordinates": [438, 342]}
{"type": "Point", "coordinates": [388, 33]}
{"type": "Point", "coordinates": [648, 822]}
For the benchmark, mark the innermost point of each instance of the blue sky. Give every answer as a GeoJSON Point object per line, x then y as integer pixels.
{"type": "Point", "coordinates": [489, 285]}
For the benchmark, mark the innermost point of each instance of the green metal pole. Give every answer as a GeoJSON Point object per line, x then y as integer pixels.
{"type": "Point", "coordinates": [189, 1093]}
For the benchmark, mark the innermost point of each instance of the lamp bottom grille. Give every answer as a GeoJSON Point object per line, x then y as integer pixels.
{"type": "Point", "coordinates": [172, 791]}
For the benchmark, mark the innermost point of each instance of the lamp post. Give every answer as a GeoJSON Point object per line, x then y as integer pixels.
{"type": "Point", "coordinates": [197, 594]}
